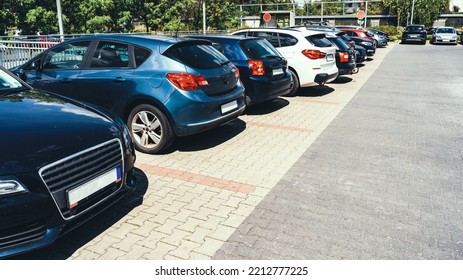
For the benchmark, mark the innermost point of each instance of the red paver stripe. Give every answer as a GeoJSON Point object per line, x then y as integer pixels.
{"type": "Point", "coordinates": [275, 126]}
{"type": "Point", "coordinates": [316, 101]}
{"type": "Point", "coordinates": [196, 178]}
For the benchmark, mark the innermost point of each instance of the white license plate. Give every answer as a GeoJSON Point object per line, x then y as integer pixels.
{"type": "Point", "coordinates": [230, 106]}
{"type": "Point", "coordinates": [330, 57]}
{"type": "Point", "coordinates": [414, 36]}
{"type": "Point", "coordinates": [278, 71]}
{"type": "Point", "coordinates": [445, 40]}
{"type": "Point", "coordinates": [77, 194]}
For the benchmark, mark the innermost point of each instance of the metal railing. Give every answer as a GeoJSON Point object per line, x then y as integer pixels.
{"type": "Point", "coordinates": [16, 52]}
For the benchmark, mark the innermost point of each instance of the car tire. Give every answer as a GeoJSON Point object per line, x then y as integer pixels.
{"type": "Point", "coordinates": [150, 129]}
{"type": "Point", "coordinates": [294, 84]}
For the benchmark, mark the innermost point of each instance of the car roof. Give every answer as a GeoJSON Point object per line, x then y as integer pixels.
{"type": "Point", "coordinates": [301, 30]}
{"type": "Point", "coordinates": [224, 37]}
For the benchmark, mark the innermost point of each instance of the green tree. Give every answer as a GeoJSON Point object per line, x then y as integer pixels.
{"type": "Point", "coordinates": [425, 11]}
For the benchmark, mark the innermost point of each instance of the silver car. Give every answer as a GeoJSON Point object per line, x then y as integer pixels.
{"type": "Point", "coordinates": [444, 35]}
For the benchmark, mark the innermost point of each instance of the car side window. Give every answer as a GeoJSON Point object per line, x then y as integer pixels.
{"type": "Point", "coordinates": [141, 55]}
{"type": "Point", "coordinates": [110, 55]}
{"type": "Point", "coordinates": [287, 40]}
{"type": "Point", "coordinates": [68, 56]}
{"type": "Point", "coordinates": [270, 36]}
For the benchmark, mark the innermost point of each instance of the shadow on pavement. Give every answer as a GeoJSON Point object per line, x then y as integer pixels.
{"type": "Point", "coordinates": [210, 138]}
{"type": "Point", "coordinates": [67, 244]}
{"type": "Point", "coordinates": [342, 80]}
{"type": "Point", "coordinates": [315, 91]}
{"type": "Point", "coordinates": [267, 107]}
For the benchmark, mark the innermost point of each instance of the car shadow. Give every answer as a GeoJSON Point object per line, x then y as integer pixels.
{"type": "Point", "coordinates": [68, 244]}
{"type": "Point", "coordinates": [267, 107]}
{"type": "Point", "coordinates": [342, 80]}
{"type": "Point", "coordinates": [315, 91]}
{"type": "Point", "coordinates": [210, 138]}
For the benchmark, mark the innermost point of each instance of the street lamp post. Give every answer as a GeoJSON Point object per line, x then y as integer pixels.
{"type": "Point", "coordinates": [60, 19]}
{"type": "Point", "coordinates": [413, 8]}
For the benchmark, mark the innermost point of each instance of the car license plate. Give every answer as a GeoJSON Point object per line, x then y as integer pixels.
{"type": "Point", "coordinates": [329, 57]}
{"type": "Point", "coordinates": [278, 71]}
{"type": "Point", "coordinates": [445, 40]}
{"type": "Point", "coordinates": [83, 191]}
{"type": "Point", "coordinates": [230, 106]}
{"type": "Point", "coordinates": [414, 36]}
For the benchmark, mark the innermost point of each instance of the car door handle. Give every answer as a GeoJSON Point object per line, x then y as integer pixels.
{"type": "Point", "coordinates": [119, 80]}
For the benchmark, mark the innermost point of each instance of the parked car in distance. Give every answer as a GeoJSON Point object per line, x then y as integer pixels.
{"type": "Point", "coordinates": [263, 70]}
{"type": "Point", "coordinates": [61, 163]}
{"type": "Point", "coordinates": [444, 35]}
{"type": "Point", "coordinates": [310, 56]}
{"type": "Point", "coordinates": [368, 44]}
{"type": "Point", "coordinates": [161, 87]}
{"type": "Point", "coordinates": [380, 33]}
{"type": "Point", "coordinates": [360, 51]}
{"type": "Point", "coordinates": [345, 54]}
{"type": "Point", "coordinates": [414, 33]}
{"type": "Point", "coordinates": [361, 33]}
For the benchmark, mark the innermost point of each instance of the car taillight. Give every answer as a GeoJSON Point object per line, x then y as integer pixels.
{"type": "Point", "coordinates": [187, 82]}
{"type": "Point", "coordinates": [314, 54]}
{"type": "Point", "coordinates": [237, 73]}
{"type": "Point", "coordinates": [344, 56]}
{"type": "Point", "coordinates": [257, 67]}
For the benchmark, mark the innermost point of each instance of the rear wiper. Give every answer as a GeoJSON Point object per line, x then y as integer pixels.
{"type": "Point", "coordinates": [271, 56]}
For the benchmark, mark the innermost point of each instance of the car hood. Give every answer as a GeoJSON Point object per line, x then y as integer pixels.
{"type": "Point", "coordinates": [39, 128]}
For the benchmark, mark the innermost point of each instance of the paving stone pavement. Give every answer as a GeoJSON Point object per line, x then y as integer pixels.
{"type": "Point", "coordinates": [202, 191]}
{"type": "Point", "coordinates": [383, 181]}
{"type": "Point", "coordinates": [277, 184]}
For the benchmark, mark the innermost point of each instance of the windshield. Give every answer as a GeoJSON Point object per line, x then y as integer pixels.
{"type": "Point", "coordinates": [8, 83]}
{"type": "Point", "coordinates": [414, 28]}
{"type": "Point", "coordinates": [445, 30]}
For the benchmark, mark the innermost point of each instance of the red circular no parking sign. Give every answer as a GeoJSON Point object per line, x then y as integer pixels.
{"type": "Point", "coordinates": [267, 17]}
{"type": "Point", "coordinates": [361, 14]}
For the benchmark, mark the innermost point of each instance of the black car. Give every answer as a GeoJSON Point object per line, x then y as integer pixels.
{"type": "Point", "coordinates": [414, 33]}
{"type": "Point", "coordinates": [360, 52]}
{"type": "Point", "coordinates": [368, 44]}
{"type": "Point", "coordinates": [61, 163]}
{"type": "Point", "coordinates": [262, 68]}
{"type": "Point", "coordinates": [345, 55]}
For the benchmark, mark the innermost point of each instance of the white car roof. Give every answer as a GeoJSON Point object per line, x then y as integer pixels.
{"type": "Point", "coordinates": [301, 30]}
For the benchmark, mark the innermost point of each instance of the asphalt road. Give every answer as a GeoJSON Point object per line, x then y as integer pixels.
{"type": "Point", "coordinates": [383, 180]}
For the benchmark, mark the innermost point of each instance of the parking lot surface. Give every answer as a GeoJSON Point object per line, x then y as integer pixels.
{"type": "Point", "coordinates": [369, 167]}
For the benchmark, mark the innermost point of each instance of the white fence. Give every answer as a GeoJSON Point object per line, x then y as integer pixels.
{"type": "Point", "coordinates": [16, 52]}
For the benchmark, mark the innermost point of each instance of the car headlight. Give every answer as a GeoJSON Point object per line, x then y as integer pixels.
{"type": "Point", "coordinates": [438, 37]}
{"type": "Point", "coordinates": [126, 136]}
{"type": "Point", "coordinates": [368, 44]}
{"type": "Point", "coordinates": [11, 186]}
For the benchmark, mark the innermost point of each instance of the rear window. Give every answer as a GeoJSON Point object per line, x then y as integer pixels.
{"type": "Point", "coordinates": [319, 40]}
{"type": "Point", "coordinates": [197, 56]}
{"type": "Point", "coordinates": [259, 49]}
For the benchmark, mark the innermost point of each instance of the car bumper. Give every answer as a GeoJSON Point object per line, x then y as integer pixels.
{"type": "Point", "coordinates": [32, 220]}
{"type": "Point", "coordinates": [195, 112]}
{"type": "Point", "coordinates": [413, 39]}
{"type": "Point", "coordinates": [445, 41]}
{"type": "Point", "coordinates": [261, 89]}
{"type": "Point", "coordinates": [325, 78]}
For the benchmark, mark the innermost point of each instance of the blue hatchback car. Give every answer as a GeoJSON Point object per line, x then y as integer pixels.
{"type": "Point", "coordinates": [262, 68]}
{"type": "Point", "coordinates": [161, 87]}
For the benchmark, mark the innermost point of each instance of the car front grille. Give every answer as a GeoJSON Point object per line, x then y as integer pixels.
{"type": "Point", "coordinates": [80, 168]}
{"type": "Point", "coordinates": [22, 234]}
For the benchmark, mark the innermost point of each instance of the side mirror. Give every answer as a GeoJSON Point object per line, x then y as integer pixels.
{"type": "Point", "coordinates": [35, 65]}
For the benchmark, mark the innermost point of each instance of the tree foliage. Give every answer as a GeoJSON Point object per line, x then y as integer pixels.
{"type": "Point", "coordinates": [89, 16]}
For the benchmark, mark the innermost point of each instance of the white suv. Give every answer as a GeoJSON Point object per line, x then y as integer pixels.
{"type": "Point", "coordinates": [311, 57]}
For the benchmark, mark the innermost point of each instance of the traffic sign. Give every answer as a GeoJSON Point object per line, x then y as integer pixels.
{"type": "Point", "coordinates": [361, 14]}
{"type": "Point", "coordinates": [267, 17]}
